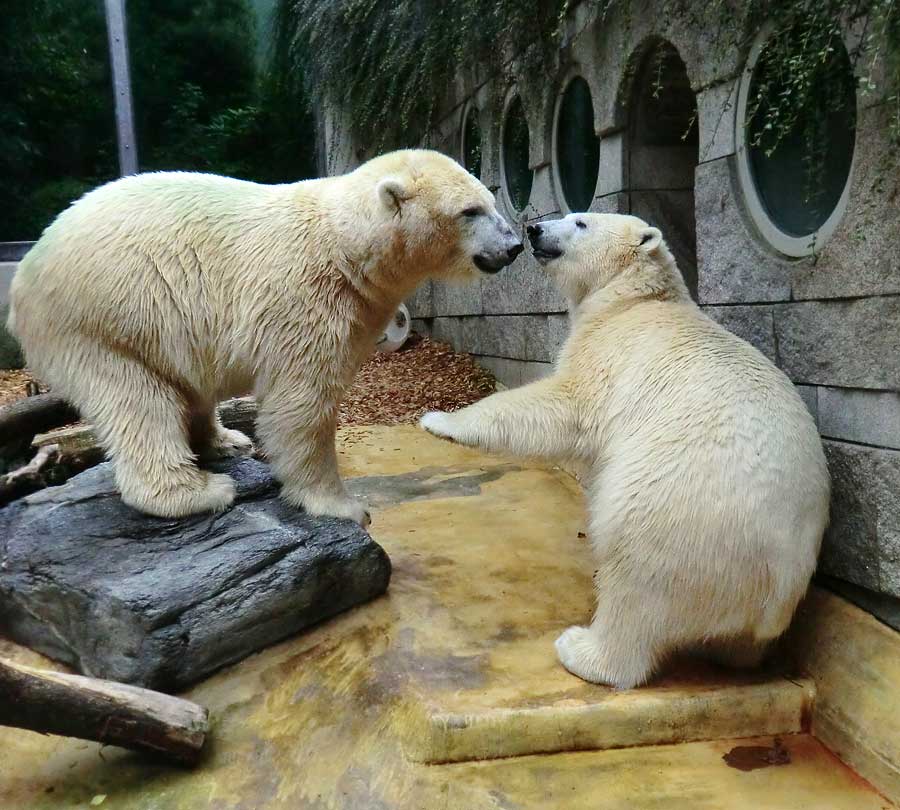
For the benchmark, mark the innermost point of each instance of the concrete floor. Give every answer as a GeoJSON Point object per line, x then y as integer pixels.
{"type": "Point", "coordinates": [446, 692]}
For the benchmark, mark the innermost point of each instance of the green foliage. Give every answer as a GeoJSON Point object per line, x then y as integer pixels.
{"type": "Point", "coordinates": [56, 116]}
{"type": "Point", "coordinates": [388, 64]}
{"type": "Point", "coordinates": [201, 101]}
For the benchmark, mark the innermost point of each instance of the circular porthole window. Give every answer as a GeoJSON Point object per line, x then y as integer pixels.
{"type": "Point", "coordinates": [471, 142]}
{"type": "Point", "coordinates": [577, 146]}
{"type": "Point", "coordinates": [517, 174]}
{"type": "Point", "coordinates": [795, 170]}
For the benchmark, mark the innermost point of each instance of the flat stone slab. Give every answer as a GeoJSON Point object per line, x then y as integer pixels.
{"type": "Point", "coordinates": [161, 603]}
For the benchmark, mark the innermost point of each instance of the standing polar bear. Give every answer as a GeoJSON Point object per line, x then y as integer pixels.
{"type": "Point", "coordinates": [705, 478]}
{"type": "Point", "coordinates": [156, 296]}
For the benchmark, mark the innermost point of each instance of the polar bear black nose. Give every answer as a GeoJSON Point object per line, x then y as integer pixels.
{"type": "Point", "coordinates": [533, 231]}
{"type": "Point", "coordinates": [514, 251]}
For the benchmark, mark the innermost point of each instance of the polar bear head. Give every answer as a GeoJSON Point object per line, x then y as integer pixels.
{"type": "Point", "coordinates": [586, 252]}
{"type": "Point", "coordinates": [434, 214]}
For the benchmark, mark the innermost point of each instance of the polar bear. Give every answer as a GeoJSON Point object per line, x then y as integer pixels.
{"type": "Point", "coordinates": [705, 478]}
{"type": "Point", "coordinates": [157, 295]}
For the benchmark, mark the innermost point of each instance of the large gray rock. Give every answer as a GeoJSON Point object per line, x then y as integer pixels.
{"type": "Point", "coordinates": [160, 603]}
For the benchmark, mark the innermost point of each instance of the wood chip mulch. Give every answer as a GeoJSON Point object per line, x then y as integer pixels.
{"type": "Point", "coordinates": [390, 389]}
{"type": "Point", "coordinates": [17, 385]}
{"type": "Point", "coordinates": [424, 375]}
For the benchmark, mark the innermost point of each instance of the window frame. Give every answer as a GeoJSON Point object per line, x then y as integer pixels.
{"type": "Point", "coordinates": [794, 247]}
{"type": "Point", "coordinates": [558, 187]}
{"type": "Point", "coordinates": [511, 95]}
{"type": "Point", "coordinates": [469, 108]}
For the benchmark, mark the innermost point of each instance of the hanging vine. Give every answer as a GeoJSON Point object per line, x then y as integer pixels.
{"type": "Point", "coordinates": [388, 64]}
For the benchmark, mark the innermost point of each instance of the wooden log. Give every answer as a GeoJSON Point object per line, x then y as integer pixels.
{"type": "Point", "coordinates": [54, 463]}
{"type": "Point", "coordinates": [105, 711]}
{"type": "Point", "coordinates": [238, 414]}
{"type": "Point", "coordinates": [25, 417]}
{"type": "Point", "coordinates": [28, 478]}
{"type": "Point", "coordinates": [76, 449]}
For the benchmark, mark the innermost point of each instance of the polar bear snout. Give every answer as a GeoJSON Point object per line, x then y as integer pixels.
{"type": "Point", "coordinates": [492, 243]}
{"type": "Point", "coordinates": [496, 262]}
{"type": "Point", "coordinates": [544, 246]}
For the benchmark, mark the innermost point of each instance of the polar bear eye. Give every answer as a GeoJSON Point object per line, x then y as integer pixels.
{"type": "Point", "coordinates": [473, 212]}
{"type": "Point", "coordinates": [580, 223]}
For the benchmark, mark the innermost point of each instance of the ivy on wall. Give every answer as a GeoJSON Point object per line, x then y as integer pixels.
{"type": "Point", "coordinates": [388, 64]}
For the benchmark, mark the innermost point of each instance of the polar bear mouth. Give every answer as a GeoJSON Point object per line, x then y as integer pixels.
{"type": "Point", "coordinates": [545, 255]}
{"type": "Point", "coordinates": [484, 264]}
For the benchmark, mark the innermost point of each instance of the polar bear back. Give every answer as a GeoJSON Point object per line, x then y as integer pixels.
{"type": "Point", "coordinates": [179, 266]}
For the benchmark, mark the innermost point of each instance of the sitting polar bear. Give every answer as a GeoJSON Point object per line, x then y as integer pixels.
{"type": "Point", "coordinates": [705, 478]}
{"type": "Point", "coordinates": [156, 296]}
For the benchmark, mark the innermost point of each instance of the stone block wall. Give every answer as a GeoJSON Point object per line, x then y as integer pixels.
{"type": "Point", "coordinates": [831, 322]}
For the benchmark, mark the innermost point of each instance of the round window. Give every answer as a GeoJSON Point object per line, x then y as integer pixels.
{"type": "Point", "coordinates": [577, 146]}
{"type": "Point", "coordinates": [517, 174]}
{"type": "Point", "coordinates": [794, 166]}
{"type": "Point", "coordinates": [471, 143]}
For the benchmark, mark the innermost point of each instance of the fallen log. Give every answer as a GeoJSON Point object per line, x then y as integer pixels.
{"type": "Point", "coordinates": [75, 449]}
{"type": "Point", "coordinates": [104, 711]}
{"type": "Point", "coordinates": [237, 414]}
{"type": "Point", "coordinates": [22, 419]}
{"type": "Point", "coordinates": [28, 478]}
{"type": "Point", "coordinates": [54, 463]}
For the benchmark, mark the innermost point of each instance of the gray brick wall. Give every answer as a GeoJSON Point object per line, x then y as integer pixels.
{"type": "Point", "coordinates": [832, 322]}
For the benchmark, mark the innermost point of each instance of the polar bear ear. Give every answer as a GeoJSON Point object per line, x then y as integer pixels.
{"type": "Point", "coordinates": [649, 239]}
{"type": "Point", "coordinates": [391, 193]}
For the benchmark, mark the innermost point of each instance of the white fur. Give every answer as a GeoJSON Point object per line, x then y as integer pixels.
{"type": "Point", "coordinates": [155, 296]}
{"type": "Point", "coordinates": [706, 482]}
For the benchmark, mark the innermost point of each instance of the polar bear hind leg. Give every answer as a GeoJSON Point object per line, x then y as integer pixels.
{"type": "Point", "coordinates": [140, 421]}
{"type": "Point", "coordinates": [623, 645]}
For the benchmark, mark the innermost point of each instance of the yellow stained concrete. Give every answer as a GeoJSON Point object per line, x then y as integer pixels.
{"type": "Point", "coordinates": [855, 662]}
{"type": "Point", "coordinates": [455, 661]}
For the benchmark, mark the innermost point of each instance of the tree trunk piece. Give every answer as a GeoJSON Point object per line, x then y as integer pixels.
{"type": "Point", "coordinates": [105, 711]}
{"type": "Point", "coordinates": [20, 420]}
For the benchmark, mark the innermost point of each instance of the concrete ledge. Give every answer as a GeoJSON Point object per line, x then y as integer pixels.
{"type": "Point", "coordinates": [855, 663]}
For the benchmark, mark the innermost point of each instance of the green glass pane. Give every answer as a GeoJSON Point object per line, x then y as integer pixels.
{"type": "Point", "coordinates": [472, 143]}
{"type": "Point", "coordinates": [801, 181]}
{"type": "Point", "coordinates": [578, 147]}
{"type": "Point", "coordinates": [515, 155]}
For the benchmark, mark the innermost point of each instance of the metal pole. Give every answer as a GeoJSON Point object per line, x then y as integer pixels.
{"type": "Point", "coordinates": [118, 52]}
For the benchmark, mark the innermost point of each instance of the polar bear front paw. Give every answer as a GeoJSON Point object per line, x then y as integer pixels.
{"type": "Point", "coordinates": [578, 653]}
{"type": "Point", "coordinates": [438, 423]}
